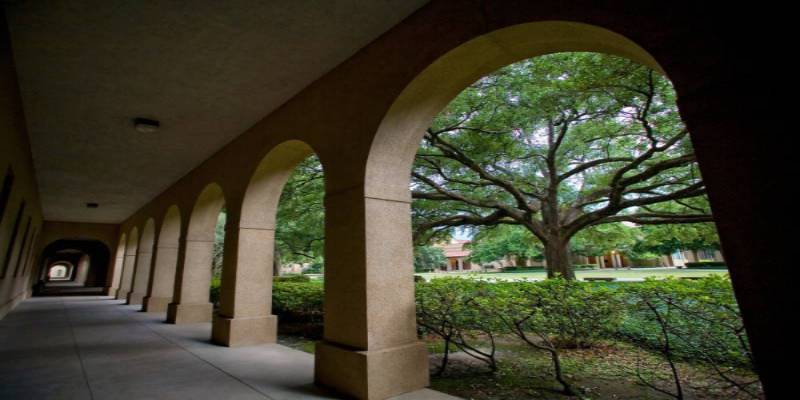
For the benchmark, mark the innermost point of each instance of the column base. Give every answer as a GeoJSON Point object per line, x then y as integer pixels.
{"type": "Point", "coordinates": [155, 304]}
{"type": "Point", "coordinates": [122, 294]}
{"type": "Point", "coordinates": [189, 313]}
{"type": "Point", "coordinates": [135, 298]}
{"type": "Point", "coordinates": [376, 374]}
{"type": "Point", "coordinates": [234, 332]}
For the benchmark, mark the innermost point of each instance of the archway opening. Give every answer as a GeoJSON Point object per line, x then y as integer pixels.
{"type": "Point", "coordinates": [162, 281]}
{"type": "Point", "coordinates": [193, 281]}
{"type": "Point", "coordinates": [279, 239]}
{"type": "Point", "coordinates": [565, 166]}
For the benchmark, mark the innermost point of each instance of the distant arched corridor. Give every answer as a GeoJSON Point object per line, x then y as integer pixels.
{"type": "Point", "coordinates": [73, 267]}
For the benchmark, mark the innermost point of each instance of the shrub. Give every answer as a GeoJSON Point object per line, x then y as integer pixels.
{"type": "Point", "coordinates": [554, 314]}
{"type": "Point", "coordinates": [449, 308]}
{"type": "Point", "coordinates": [298, 301]}
{"type": "Point", "coordinates": [706, 265]}
{"type": "Point", "coordinates": [291, 278]}
{"type": "Point", "coordinates": [697, 321]}
{"type": "Point", "coordinates": [214, 291]}
{"type": "Point", "coordinates": [584, 266]}
{"type": "Point", "coordinates": [522, 269]}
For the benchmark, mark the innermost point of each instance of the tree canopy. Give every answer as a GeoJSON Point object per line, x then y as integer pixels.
{"type": "Point", "coordinates": [557, 144]}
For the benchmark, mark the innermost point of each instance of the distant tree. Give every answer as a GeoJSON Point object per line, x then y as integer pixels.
{"type": "Point", "coordinates": [219, 244]}
{"type": "Point", "coordinates": [502, 242]}
{"type": "Point", "coordinates": [557, 144]}
{"type": "Point", "coordinates": [428, 258]}
{"type": "Point", "coordinates": [300, 233]}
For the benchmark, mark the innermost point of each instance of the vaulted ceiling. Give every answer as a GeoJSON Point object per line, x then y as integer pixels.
{"type": "Point", "coordinates": [207, 70]}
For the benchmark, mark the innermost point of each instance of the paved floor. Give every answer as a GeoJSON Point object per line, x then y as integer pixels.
{"type": "Point", "coordinates": [92, 347]}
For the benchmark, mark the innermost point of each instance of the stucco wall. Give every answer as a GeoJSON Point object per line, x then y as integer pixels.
{"type": "Point", "coordinates": [15, 261]}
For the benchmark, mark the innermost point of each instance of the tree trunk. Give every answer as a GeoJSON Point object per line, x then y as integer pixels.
{"type": "Point", "coordinates": [558, 261]}
{"type": "Point", "coordinates": [276, 262]}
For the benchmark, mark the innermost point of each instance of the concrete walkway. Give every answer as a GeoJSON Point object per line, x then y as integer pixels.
{"type": "Point", "coordinates": [96, 348]}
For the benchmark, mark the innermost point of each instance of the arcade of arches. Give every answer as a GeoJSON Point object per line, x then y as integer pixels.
{"type": "Point", "coordinates": [363, 118]}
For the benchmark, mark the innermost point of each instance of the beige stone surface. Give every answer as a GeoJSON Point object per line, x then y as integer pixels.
{"type": "Point", "coordinates": [155, 304]}
{"type": "Point", "coordinates": [378, 374]}
{"type": "Point", "coordinates": [189, 313]}
{"type": "Point", "coordinates": [244, 331]}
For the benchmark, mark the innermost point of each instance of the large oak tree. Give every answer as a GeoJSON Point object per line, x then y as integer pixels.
{"type": "Point", "coordinates": [557, 144]}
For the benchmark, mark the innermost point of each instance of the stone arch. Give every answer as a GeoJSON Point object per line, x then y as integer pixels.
{"type": "Point", "coordinates": [144, 258]}
{"type": "Point", "coordinates": [245, 315]}
{"type": "Point", "coordinates": [193, 279]}
{"type": "Point", "coordinates": [162, 279]}
{"type": "Point", "coordinates": [128, 264]}
{"type": "Point", "coordinates": [401, 130]}
{"type": "Point", "coordinates": [378, 260]}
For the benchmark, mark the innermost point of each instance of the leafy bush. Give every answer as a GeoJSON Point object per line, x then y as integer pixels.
{"type": "Point", "coordinates": [584, 266]}
{"type": "Point", "coordinates": [449, 308]}
{"type": "Point", "coordinates": [522, 269]}
{"type": "Point", "coordinates": [214, 291]}
{"type": "Point", "coordinates": [706, 265]}
{"type": "Point", "coordinates": [298, 301]}
{"type": "Point", "coordinates": [697, 321]}
{"type": "Point", "coordinates": [555, 314]}
{"type": "Point", "coordinates": [291, 278]}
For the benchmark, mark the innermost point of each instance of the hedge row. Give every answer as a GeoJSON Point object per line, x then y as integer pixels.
{"type": "Point", "coordinates": [706, 265]}
{"type": "Point", "coordinates": [699, 319]}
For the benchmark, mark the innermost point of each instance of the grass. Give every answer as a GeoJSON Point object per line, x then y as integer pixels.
{"type": "Point", "coordinates": [620, 274]}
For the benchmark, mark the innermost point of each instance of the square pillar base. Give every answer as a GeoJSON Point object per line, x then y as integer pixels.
{"type": "Point", "coordinates": [135, 298]}
{"type": "Point", "coordinates": [372, 375]}
{"type": "Point", "coordinates": [122, 294]}
{"type": "Point", "coordinates": [189, 313]}
{"type": "Point", "coordinates": [155, 304]}
{"type": "Point", "coordinates": [234, 332]}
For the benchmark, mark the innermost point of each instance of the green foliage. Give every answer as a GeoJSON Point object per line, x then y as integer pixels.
{"type": "Point", "coordinates": [706, 265]}
{"type": "Point", "coordinates": [298, 301]}
{"type": "Point", "coordinates": [555, 145]}
{"type": "Point", "coordinates": [513, 269]}
{"type": "Point", "coordinates": [214, 292]}
{"type": "Point", "coordinates": [291, 278]}
{"type": "Point", "coordinates": [300, 233]}
{"type": "Point", "coordinates": [316, 267]}
{"type": "Point", "coordinates": [597, 240]}
{"type": "Point", "coordinates": [428, 258]}
{"type": "Point", "coordinates": [450, 308]}
{"type": "Point", "coordinates": [219, 244]}
{"type": "Point", "coordinates": [689, 320]}
{"type": "Point", "coordinates": [500, 242]}
{"type": "Point", "coordinates": [667, 239]}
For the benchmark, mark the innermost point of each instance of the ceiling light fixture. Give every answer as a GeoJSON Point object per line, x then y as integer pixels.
{"type": "Point", "coordinates": [145, 125]}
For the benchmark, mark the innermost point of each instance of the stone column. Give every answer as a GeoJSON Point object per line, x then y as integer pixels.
{"type": "Point", "coordinates": [140, 277]}
{"type": "Point", "coordinates": [115, 275]}
{"type": "Point", "coordinates": [162, 280]}
{"type": "Point", "coordinates": [128, 265]}
{"type": "Point", "coordinates": [191, 303]}
{"type": "Point", "coordinates": [370, 348]}
{"type": "Point", "coordinates": [82, 270]}
{"type": "Point", "coordinates": [245, 313]}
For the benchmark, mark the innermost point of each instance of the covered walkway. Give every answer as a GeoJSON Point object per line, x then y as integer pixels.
{"type": "Point", "coordinates": [93, 347]}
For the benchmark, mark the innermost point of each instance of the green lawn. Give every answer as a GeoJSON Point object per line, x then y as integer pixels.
{"type": "Point", "coordinates": [620, 274]}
